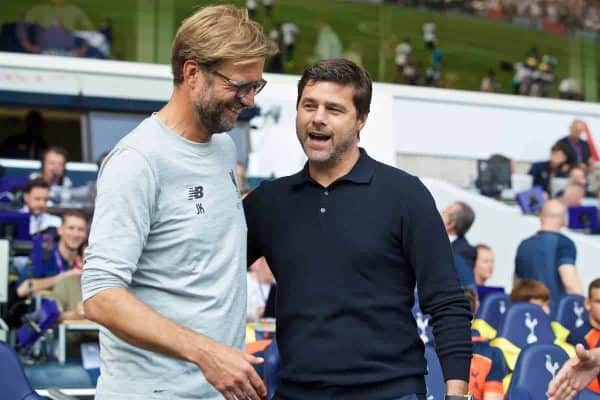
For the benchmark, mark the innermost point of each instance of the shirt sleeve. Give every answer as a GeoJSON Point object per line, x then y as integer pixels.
{"type": "Point", "coordinates": [122, 218]}
{"type": "Point", "coordinates": [566, 252]}
{"type": "Point", "coordinates": [440, 294]}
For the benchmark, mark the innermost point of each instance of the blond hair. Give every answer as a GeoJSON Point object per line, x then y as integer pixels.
{"type": "Point", "coordinates": [214, 34]}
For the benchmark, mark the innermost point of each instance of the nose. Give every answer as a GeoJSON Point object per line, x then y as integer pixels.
{"type": "Point", "coordinates": [319, 117]}
{"type": "Point", "coordinates": [248, 100]}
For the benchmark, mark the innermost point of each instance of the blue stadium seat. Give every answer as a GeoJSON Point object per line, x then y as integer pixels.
{"type": "Point", "coordinates": [436, 386]}
{"type": "Point", "coordinates": [526, 324]}
{"type": "Point", "coordinates": [493, 308]}
{"type": "Point", "coordinates": [271, 368]}
{"type": "Point", "coordinates": [587, 395]}
{"type": "Point", "coordinates": [535, 368]}
{"type": "Point", "coordinates": [570, 312]}
{"type": "Point", "coordinates": [13, 381]}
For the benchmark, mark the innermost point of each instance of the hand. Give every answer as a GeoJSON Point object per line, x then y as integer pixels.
{"type": "Point", "coordinates": [575, 374]}
{"type": "Point", "coordinates": [232, 373]}
{"type": "Point", "coordinates": [73, 272]}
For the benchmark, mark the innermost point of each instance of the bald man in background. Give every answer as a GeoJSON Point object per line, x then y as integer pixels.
{"type": "Point", "coordinates": [549, 256]}
{"type": "Point", "coordinates": [577, 149]}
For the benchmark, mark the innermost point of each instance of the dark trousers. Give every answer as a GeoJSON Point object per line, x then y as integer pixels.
{"type": "Point", "coordinates": [407, 397]}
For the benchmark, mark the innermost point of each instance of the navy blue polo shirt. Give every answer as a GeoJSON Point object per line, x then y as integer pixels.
{"type": "Point", "coordinates": [346, 259]}
{"type": "Point", "coordinates": [539, 256]}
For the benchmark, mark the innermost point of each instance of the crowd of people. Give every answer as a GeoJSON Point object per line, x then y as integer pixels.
{"type": "Point", "coordinates": [57, 28]}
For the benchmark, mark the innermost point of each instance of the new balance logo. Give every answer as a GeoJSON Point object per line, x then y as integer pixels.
{"type": "Point", "coordinates": [195, 192]}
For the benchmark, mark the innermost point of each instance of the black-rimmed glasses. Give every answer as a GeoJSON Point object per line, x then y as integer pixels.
{"type": "Point", "coordinates": [243, 88]}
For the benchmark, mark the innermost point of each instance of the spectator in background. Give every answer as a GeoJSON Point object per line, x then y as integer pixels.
{"type": "Point", "coordinates": [458, 218]}
{"type": "Point", "coordinates": [268, 7]}
{"type": "Point", "coordinates": [531, 291]}
{"type": "Point", "coordinates": [489, 83]}
{"type": "Point", "coordinates": [579, 174]}
{"type": "Point", "coordinates": [328, 43]}
{"type": "Point", "coordinates": [57, 13]}
{"type": "Point", "coordinates": [30, 144]}
{"type": "Point", "coordinates": [487, 363]}
{"type": "Point", "coordinates": [240, 134]}
{"type": "Point", "coordinates": [573, 195]}
{"type": "Point", "coordinates": [544, 172]}
{"type": "Point", "coordinates": [53, 172]}
{"type": "Point", "coordinates": [570, 89]}
{"type": "Point", "coordinates": [36, 196]}
{"type": "Point", "coordinates": [65, 260]}
{"type": "Point", "coordinates": [483, 269]}
{"type": "Point", "coordinates": [429, 35]}
{"type": "Point", "coordinates": [549, 256]}
{"type": "Point", "coordinates": [403, 51]}
{"type": "Point", "coordinates": [251, 7]}
{"type": "Point", "coordinates": [260, 280]}
{"type": "Point", "coordinates": [289, 33]}
{"type": "Point", "coordinates": [578, 151]}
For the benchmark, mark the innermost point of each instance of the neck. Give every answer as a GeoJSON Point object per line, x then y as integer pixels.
{"type": "Point", "coordinates": [181, 117]}
{"type": "Point", "coordinates": [549, 228]}
{"type": "Point", "coordinates": [68, 254]}
{"type": "Point", "coordinates": [327, 173]}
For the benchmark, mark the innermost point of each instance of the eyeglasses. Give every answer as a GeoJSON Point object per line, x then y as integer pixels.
{"type": "Point", "coordinates": [243, 88]}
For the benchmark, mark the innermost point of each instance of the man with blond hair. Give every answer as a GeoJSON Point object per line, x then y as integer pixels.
{"type": "Point", "coordinates": [165, 269]}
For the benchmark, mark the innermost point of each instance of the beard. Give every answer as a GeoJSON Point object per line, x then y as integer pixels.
{"type": "Point", "coordinates": [213, 114]}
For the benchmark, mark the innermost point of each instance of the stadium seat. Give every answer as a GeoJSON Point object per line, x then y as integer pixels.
{"type": "Point", "coordinates": [525, 324]}
{"type": "Point", "coordinates": [588, 395]}
{"type": "Point", "coordinates": [536, 367]}
{"type": "Point", "coordinates": [271, 368]}
{"type": "Point", "coordinates": [13, 381]}
{"type": "Point", "coordinates": [570, 314]}
{"type": "Point", "coordinates": [490, 315]}
{"type": "Point", "coordinates": [436, 386]}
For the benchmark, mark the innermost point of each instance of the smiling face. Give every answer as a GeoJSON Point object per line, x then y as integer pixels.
{"type": "Point", "coordinates": [327, 123]}
{"type": "Point", "coordinates": [216, 101]}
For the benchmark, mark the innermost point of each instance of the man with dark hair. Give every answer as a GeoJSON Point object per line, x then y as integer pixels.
{"type": "Point", "coordinates": [347, 239]}
{"type": "Point", "coordinates": [549, 256]}
{"type": "Point", "coordinates": [544, 172]}
{"type": "Point", "coordinates": [458, 218]}
{"type": "Point", "coordinates": [64, 260]}
{"type": "Point", "coordinates": [53, 172]}
{"type": "Point", "coordinates": [35, 198]}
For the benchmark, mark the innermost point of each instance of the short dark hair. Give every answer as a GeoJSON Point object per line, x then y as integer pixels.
{"type": "Point", "coordinates": [343, 72]}
{"type": "Point", "coordinates": [36, 183]}
{"type": "Point", "coordinates": [594, 285]}
{"type": "Point", "coordinates": [58, 150]}
{"type": "Point", "coordinates": [75, 214]}
{"type": "Point", "coordinates": [463, 218]}
{"type": "Point", "coordinates": [559, 147]}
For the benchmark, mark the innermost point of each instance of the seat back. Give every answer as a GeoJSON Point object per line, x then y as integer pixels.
{"type": "Point", "coordinates": [587, 394]}
{"type": "Point", "coordinates": [570, 312]}
{"type": "Point", "coordinates": [536, 367]}
{"type": "Point", "coordinates": [526, 324]}
{"type": "Point", "coordinates": [436, 386]}
{"type": "Point", "coordinates": [493, 308]}
{"type": "Point", "coordinates": [13, 380]}
{"type": "Point", "coordinates": [272, 365]}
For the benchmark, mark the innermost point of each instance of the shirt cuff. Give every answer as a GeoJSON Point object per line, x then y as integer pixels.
{"type": "Point", "coordinates": [456, 368]}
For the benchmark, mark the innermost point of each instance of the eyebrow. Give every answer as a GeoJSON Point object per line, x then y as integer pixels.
{"type": "Point", "coordinates": [329, 104]}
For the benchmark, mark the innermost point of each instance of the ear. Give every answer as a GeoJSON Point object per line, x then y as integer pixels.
{"type": "Point", "coordinates": [191, 72]}
{"type": "Point", "coordinates": [362, 120]}
{"type": "Point", "coordinates": [587, 305]}
{"type": "Point", "coordinates": [59, 230]}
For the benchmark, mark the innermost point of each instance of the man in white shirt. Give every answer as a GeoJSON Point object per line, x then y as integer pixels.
{"type": "Point", "coordinates": [36, 196]}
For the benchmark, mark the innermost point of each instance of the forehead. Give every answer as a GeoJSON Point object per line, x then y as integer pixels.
{"type": "Point", "coordinates": [39, 191]}
{"type": "Point", "coordinates": [54, 156]}
{"type": "Point", "coordinates": [72, 220]}
{"type": "Point", "coordinates": [328, 92]}
{"type": "Point", "coordinates": [241, 70]}
{"type": "Point", "coordinates": [595, 294]}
